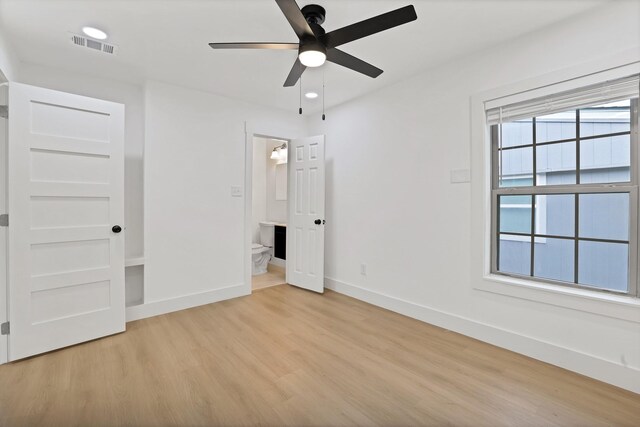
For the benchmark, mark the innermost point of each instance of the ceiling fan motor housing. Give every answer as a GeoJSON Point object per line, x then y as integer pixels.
{"type": "Point", "coordinates": [311, 44]}
{"type": "Point", "coordinates": [314, 14]}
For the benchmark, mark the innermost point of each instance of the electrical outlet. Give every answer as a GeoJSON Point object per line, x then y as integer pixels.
{"type": "Point", "coordinates": [363, 269]}
{"type": "Point", "coordinates": [236, 191]}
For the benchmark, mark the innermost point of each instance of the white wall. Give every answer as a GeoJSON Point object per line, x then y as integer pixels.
{"type": "Point", "coordinates": [259, 187]}
{"type": "Point", "coordinates": [194, 228]}
{"type": "Point", "coordinates": [8, 61]}
{"type": "Point", "coordinates": [390, 203]}
{"type": "Point", "coordinates": [276, 209]}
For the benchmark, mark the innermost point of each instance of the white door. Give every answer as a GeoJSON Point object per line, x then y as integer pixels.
{"type": "Point", "coordinates": [66, 197]}
{"type": "Point", "coordinates": [305, 228]}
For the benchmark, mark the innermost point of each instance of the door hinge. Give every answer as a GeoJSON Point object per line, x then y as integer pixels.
{"type": "Point", "coordinates": [4, 111]}
{"type": "Point", "coordinates": [4, 220]}
{"type": "Point", "coordinates": [5, 328]}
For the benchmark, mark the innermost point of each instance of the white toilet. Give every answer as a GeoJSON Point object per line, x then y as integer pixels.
{"type": "Point", "coordinates": [261, 252]}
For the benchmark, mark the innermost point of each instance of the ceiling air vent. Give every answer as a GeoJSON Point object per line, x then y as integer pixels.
{"type": "Point", "coordinates": [92, 44]}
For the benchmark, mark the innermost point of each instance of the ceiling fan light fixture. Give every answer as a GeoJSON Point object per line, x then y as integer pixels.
{"type": "Point", "coordinates": [312, 58]}
{"type": "Point", "coordinates": [311, 95]}
{"type": "Point", "coordinates": [312, 54]}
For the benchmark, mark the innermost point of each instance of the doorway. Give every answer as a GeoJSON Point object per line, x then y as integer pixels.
{"type": "Point", "coordinates": [269, 210]}
{"type": "Point", "coordinates": [302, 233]}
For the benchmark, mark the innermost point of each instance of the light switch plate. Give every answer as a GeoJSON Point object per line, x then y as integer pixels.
{"type": "Point", "coordinates": [236, 191]}
{"type": "Point", "coordinates": [460, 175]}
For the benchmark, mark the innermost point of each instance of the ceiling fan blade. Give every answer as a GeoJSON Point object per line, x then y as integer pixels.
{"type": "Point", "coordinates": [369, 26]}
{"type": "Point", "coordinates": [342, 58]}
{"type": "Point", "coordinates": [250, 45]}
{"type": "Point", "coordinates": [296, 18]}
{"type": "Point", "coordinates": [295, 73]}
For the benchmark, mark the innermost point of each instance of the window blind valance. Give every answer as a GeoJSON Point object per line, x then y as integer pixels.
{"type": "Point", "coordinates": [601, 93]}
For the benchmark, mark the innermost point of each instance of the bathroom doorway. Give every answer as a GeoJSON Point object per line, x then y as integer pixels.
{"type": "Point", "coordinates": [269, 210]}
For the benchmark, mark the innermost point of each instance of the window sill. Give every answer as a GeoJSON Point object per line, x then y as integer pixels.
{"type": "Point", "coordinates": [616, 306]}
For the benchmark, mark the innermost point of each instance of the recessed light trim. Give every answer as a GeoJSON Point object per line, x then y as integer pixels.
{"type": "Point", "coordinates": [311, 95]}
{"type": "Point", "coordinates": [94, 33]}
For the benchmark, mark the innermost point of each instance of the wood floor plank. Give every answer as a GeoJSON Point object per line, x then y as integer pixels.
{"type": "Point", "coordinates": [285, 356]}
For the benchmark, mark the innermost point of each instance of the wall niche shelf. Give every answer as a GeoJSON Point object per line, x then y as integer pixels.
{"type": "Point", "coordinates": [132, 262]}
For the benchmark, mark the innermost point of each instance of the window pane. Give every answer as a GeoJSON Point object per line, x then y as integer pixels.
{"type": "Point", "coordinates": [605, 159]}
{"type": "Point", "coordinates": [555, 215]}
{"type": "Point", "coordinates": [556, 164]}
{"type": "Point", "coordinates": [517, 133]}
{"type": "Point", "coordinates": [515, 214]}
{"type": "Point", "coordinates": [604, 119]}
{"type": "Point", "coordinates": [554, 259]}
{"type": "Point", "coordinates": [517, 182]}
{"type": "Point", "coordinates": [515, 255]}
{"type": "Point", "coordinates": [516, 167]}
{"type": "Point", "coordinates": [604, 265]}
{"type": "Point", "coordinates": [555, 127]}
{"type": "Point", "coordinates": [604, 216]}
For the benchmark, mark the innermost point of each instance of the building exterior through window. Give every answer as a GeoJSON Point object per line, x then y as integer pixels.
{"type": "Point", "coordinates": [564, 195]}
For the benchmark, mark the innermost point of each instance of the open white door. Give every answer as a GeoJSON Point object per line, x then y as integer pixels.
{"type": "Point", "coordinates": [305, 228]}
{"type": "Point", "coordinates": [66, 204]}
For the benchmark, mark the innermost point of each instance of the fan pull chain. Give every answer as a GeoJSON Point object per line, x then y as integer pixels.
{"type": "Point", "coordinates": [300, 109]}
{"type": "Point", "coordinates": [323, 116]}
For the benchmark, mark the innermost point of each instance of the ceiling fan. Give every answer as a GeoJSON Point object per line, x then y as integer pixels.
{"type": "Point", "coordinates": [316, 46]}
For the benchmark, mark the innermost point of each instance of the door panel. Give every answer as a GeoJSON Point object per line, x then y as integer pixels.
{"type": "Point", "coordinates": [66, 191]}
{"type": "Point", "coordinates": [305, 238]}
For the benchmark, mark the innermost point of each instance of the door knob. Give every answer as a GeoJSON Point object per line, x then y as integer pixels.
{"type": "Point", "coordinates": [318, 221]}
{"type": "Point", "coordinates": [116, 229]}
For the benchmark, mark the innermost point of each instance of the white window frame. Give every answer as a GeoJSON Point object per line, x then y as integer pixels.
{"type": "Point", "coordinates": [612, 305]}
{"type": "Point", "coordinates": [630, 187]}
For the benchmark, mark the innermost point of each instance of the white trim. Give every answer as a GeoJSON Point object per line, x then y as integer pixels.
{"type": "Point", "coordinates": [618, 307]}
{"type": "Point", "coordinates": [603, 303]}
{"type": "Point", "coordinates": [576, 361]}
{"type": "Point", "coordinates": [4, 255]}
{"type": "Point", "coordinates": [156, 308]}
{"type": "Point", "coordinates": [248, 204]}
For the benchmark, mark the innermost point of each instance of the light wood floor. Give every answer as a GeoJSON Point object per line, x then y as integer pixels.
{"type": "Point", "coordinates": [284, 356]}
{"type": "Point", "coordinates": [274, 276]}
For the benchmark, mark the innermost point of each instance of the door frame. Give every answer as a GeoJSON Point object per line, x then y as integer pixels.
{"type": "Point", "coordinates": [250, 134]}
{"type": "Point", "coordinates": [4, 253]}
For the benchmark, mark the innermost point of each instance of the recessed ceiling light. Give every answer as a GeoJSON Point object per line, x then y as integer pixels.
{"type": "Point", "coordinates": [311, 95]}
{"type": "Point", "coordinates": [94, 33]}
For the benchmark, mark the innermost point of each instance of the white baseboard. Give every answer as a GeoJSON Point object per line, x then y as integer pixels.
{"type": "Point", "coordinates": [582, 363]}
{"type": "Point", "coordinates": [155, 308]}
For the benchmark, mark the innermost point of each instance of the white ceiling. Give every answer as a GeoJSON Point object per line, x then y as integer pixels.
{"type": "Point", "coordinates": [167, 40]}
